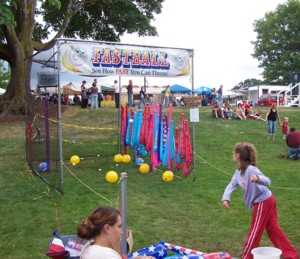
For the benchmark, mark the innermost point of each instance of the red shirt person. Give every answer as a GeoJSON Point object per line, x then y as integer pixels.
{"type": "Point", "coordinates": [293, 142]}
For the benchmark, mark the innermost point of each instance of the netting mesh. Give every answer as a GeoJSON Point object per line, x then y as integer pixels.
{"type": "Point", "coordinates": [43, 145]}
{"type": "Point", "coordinates": [88, 138]}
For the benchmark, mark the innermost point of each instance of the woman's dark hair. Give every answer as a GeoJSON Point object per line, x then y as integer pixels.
{"type": "Point", "coordinates": [92, 226]}
{"type": "Point", "coordinates": [247, 154]}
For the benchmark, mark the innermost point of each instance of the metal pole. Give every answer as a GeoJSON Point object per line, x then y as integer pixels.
{"type": "Point", "coordinates": [123, 214]}
{"type": "Point", "coordinates": [194, 144]}
{"type": "Point", "coordinates": [59, 121]}
{"type": "Point", "coordinates": [119, 118]}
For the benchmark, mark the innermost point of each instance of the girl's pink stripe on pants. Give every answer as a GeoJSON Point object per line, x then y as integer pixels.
{"type": "Point", "coordinates": [265, 217]}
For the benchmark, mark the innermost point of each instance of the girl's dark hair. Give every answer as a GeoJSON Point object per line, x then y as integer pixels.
{"type": "Point", "coordinates": [247, 154]}
{"type": "Point", "coordinates": [92, 226]}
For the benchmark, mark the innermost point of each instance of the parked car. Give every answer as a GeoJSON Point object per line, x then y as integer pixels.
{"type": "Point", "coordinates": [269, 99]}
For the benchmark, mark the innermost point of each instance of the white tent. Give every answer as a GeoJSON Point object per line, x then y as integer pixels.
{"type": "Point", "coordinates": [71, 89]}
{"type": "Point", "coordinates": [2, 91]}
{"type": "Point", "coordinates": [232, 94]}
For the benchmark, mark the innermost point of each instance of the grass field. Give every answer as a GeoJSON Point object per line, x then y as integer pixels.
{"type": "Point", "coordinates": [186, 212]}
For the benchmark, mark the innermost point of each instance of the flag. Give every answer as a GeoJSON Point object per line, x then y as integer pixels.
{"type": "Point", "coordinates": [56, 248]}
{"type": "Point", "coordinates": [157, 250]}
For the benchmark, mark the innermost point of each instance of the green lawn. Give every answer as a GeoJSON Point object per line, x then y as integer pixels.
{"type": "Point", "coordinates": [186, 212]}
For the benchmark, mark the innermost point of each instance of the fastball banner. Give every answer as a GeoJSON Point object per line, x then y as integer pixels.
{"type": "Point", "coordinates": [110, 59]}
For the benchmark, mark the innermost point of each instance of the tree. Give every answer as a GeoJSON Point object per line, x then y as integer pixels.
{"type": "Point", "coordinates": [21, 34]}
{"type": "Point", "coordinates": [277, 46]}
{"type": "Point", "coordinates": [246, 83]}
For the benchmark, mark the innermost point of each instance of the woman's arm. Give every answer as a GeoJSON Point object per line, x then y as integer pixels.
{"type": "Point", "coordinates": [267, 114]}
{"type": "Point", "coordinates": [278, 117]}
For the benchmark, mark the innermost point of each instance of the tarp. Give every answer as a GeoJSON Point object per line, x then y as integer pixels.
{"type": "Point", "coordinates": [202, 89]}
{"type": "Point", "coordinates": [105, 88]}
{"type": "Point", "coordinates": [178, 89]}
{"type": "Point", "coordinates": [232, 93]}
{"type": "Point", "coordinates": [71, 89]}
{"type": "Point", "coordinates": [2, 91]}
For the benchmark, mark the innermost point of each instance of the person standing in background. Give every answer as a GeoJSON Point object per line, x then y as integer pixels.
{"type": "Point", "coordinates": [100, 96]}
{"type": "Point", "coordinates": [130, 93]}
{"type": "Point", "coordinates": [117, 90]}
{"type": "Point", "coordinates": [167, 96]}
{"type": "Point", "coordinates": [142, 98]}
{"type": "Point", "coordinates": [285, 127]}
{"type": "Point", "coordinates": [94, 96]}
{"type": "Point", "coordinates": [271, 117]}
{"type": "Point", "coordinates": [220, 95]}
{"type": "Point", "coordinates": [213, 96]}
{"type": "Point", "coordinates": [84, 98]}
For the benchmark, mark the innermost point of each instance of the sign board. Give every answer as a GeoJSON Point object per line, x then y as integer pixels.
{"type": "Point", "coordinates": [108, 59]}
{"type": "Point", "coordinates": [194, 115]}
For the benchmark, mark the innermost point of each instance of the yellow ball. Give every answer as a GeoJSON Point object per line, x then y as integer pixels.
{"type": "Point", "coordinates": [75, 160]}
{"type": "Point", "coordinates": [118, 158]}
{"type": "Point", "coordinates": [144, 168]}
{"type": "Point", "coordinates": [126, 158]}
{"type": "Point", "coordinates": [168, 176]}
{"type": "Point", "coordinates": [111, 177]}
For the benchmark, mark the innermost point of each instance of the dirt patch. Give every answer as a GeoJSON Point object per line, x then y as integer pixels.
{"type": "Point", "coordinates": [22, 117]}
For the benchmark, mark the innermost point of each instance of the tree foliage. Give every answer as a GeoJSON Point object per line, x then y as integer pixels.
{"type": "Point", "coordinates": [277, 46]}
{"type": "Point", "coordinates": [28, 26]}
{"type": "Point", "coordinates": [246, 83]}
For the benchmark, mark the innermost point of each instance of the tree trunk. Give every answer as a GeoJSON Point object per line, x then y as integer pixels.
{"type": "Point", "coordinates": [13, 102]}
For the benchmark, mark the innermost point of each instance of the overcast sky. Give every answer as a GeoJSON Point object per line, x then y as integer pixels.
{"type": "Point", "coordinates": [220, 32]}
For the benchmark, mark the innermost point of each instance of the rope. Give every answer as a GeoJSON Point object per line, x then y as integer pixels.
{"type": "Point", "coordinates": [212, 165]}
{"type": "Point", "coordinates": [98, 194]}
{"type": "Point", "coordinates": [277, 187]}
{"type": "Point", "coordinates": [78, 127]}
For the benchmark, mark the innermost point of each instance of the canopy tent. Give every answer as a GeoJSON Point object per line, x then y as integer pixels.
{"type": "Point", "coordinates": [178, 89]}
{"type": "Point", "coordinates": [203, 89]}
{"type": "Point", "coordinates": [71, 89]}
{"type": "Point", "coordinates": [232, 94]}
{"type": "Point", "coordinates": [2, 91]}
{"type": "Point", "coordinates": [108, 89]}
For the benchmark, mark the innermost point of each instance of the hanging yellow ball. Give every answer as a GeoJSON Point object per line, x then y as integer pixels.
{"type": "Point", "coordinates": [144, 168]}
{"type": "Point", "coordinates": [118, 158]}
{"type": "Point", "coordinates": [126, 158]}
{"type": "Point", "coordinates": [168, 176]}
{"type": "Point", "coordinates": [75, 160]}
{"type": "Point", "coordinates": [111, 177]}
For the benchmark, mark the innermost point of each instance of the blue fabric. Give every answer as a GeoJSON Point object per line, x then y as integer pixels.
{"type": "Point", "coordinates": [272, 127]}
{"type": "Point", "coordinates": [178, 89]}
{"type": "Point", "coordinates": [157, 250]}
{"type": "Point", "coordinates": [294, 153]}
{"type": "Point", "coordinates": [130, 99]}
{"type": "Point", "coordinates": [94, 101]}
